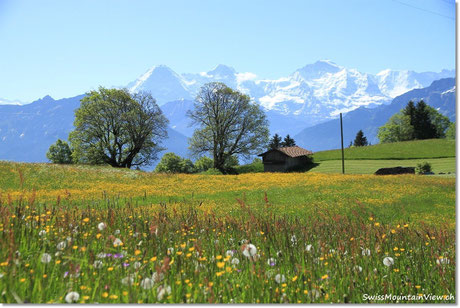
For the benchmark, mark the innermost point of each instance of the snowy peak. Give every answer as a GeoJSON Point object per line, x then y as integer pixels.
{"type": "Point", "coordinates": [222, 71]}
{"type": "Point", "coordinates": [317, 91]}
{"type": "Point", "coordinates": [163, 83]}
{"type": "Point", "coordinates": [318, 69]}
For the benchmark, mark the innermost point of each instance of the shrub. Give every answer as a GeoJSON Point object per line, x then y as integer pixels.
{"type": "Point", "coordinates": [423, 168]}
{"type": "Point", "coordinates": [172, 163]}
{"type": "Point", "coordinates": [212, 171]}
{"type": "Point", "coordinates": [203, 164]}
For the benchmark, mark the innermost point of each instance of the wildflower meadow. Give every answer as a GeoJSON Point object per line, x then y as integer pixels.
{"type": "Point", "coordinates": [98, 235]}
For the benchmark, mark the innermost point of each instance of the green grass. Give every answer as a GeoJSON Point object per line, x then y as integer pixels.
{"type": "Point", "coordinates": [433, 148]}
{"type": "Point", "coordinates": [439, 165]}
{"type": "Point", "coordinates": [352, 222]}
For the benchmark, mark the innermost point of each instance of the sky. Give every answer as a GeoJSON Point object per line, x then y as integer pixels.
{"type": "Point", "coordinates": [66, 48]}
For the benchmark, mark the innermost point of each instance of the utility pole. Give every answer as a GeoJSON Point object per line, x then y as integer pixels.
{"type": "Point", "coordinates": [341, 134]}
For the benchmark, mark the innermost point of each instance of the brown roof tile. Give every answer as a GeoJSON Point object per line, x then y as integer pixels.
{"type": "Point", "coordinates": [294, 151]}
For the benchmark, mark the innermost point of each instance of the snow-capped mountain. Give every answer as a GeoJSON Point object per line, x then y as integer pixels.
{"type": "Point", "coordinates": [314, 93]}
{"type": "Point", "coordinates": [4, 101]}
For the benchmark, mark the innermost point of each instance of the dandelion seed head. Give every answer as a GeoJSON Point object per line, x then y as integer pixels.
{"type": "Point", "coordinates": [72, 297]}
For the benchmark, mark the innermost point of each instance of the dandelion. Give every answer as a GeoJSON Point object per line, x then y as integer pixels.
{"type": "Point", "coordinates": [271, 262]}
{"type": "Point", "coordinates": [101, 226]}
{"type": "Point", "coordinates": [157, 277]}
{"type": "Point", "coordinates": [235, 261]}
{"type": "Point", "coordinates": [249, 250]}
{"type": "Point", "coordinates": [61, 245]}
{"type": "Point", "coordinates": [86, 219]}
{"type": "Point", "coordinates": [101, 255]}
{"type": "Point", "coordinates": [162, 291]}
{"type": "Point", "coordinates": [46, 258]}
{"type": "Point", "coordinates": [279, 278]}
{"type": "Point", "coordinates": [442, 261]}
{"type": "Point", "coordinates": [72, 297]}
{"type": "Point", "coordinates": [137, 265]}
{"type": "Point", "coordinates": [137, 252]}
{"type": "Point", "coordinates": [220, 264]}
{"type": "Point", "coordinates": [147, 283]}
{"type": "Point", "coordinates": [129, 280]}
{"type": "Point", "coordinates": [388, 261]}
{"type": "Point", "coordinates": [117, 242]}
{"type": "Point", "coordinates": [98, 264]}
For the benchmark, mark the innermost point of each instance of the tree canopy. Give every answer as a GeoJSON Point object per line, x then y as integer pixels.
{"type": "Point", "coordinates": [60, 153]}
{"type": "Point", "coordinates": [275, 142]}
{"type": "Point", "coordinates": [288, 141]}
{"type": "Point", "coordinates": [419, 121]}
{"type": "Point", "coordinates": [229, 124]}
{"type": "Point", "coordinates": [115, 127]}
{"type": "Point", "coordinates": [360, 139]}
{"type": "Point", "coordinates": [172, 163]}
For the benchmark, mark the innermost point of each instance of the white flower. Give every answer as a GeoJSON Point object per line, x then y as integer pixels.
{"type": "Point", "coordinates": [98, 264]}
{"type": "Point", "coordinates": [294, 240]}
{"type": "Point", "coordinates": [279, 254]}
{"type": "Point", "coordinates": [117, 232]}
{"type": "Point", "coordinates": [388, 261]}
{"type": "Point", "coordinates": [170, 251]}
{"type": "Point", "coordinates": [358, 268]}
{"type": "Point", "coordinates": [101, 255]}
{"type": "Point", "coordinates": [61, 245]}
{"type": "Point", "coordinates": [229, 253]}
{"type": "Point", "coordinates": [249, 250]}
{"type": "Point", "coordinates": [162, 291]}
{"type": "Point", "coordinates": [46, 258]}
{"type": "Point", "coordinates": [442, 261]}
{"type": "Point", "coordinates": [331, 251]}
{"type": "Point", "coordinates": [157, 277]}
{"type": "Point", "coordinates": [101, 226]}
{"type": "Point", "coordinates": [375, 271]}
{"type": "Point", "coordinates": [147, 283]}
{"type": "Point", "coordinates": [235, 261]}
{"type": "Point", "coordinates": [68, 239]}
{"type": "Point", "coordinates": [271, 261]}
{"type": "Point", "coordinates": [72, 297]}
{"type": "Point", "coordinates": [129, 280]}
{"type": "Point", "coordinates": [366, 252]}
{"type": "Point", "coordinates": [117, 242]}
{"type": "Point", "coordinates": [137, 264]}
{"type": "Point", "coordinates": [1, 275]}
{"type": "Point", "coordinates": [308, 247]}
{"type": "Point", "coordinates": [279, 278]}
{"type": "Point", "coordinates": [314, 293]}
{"type": "Point", "coordinates": [42, 233]}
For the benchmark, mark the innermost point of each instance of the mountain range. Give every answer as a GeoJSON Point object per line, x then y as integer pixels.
{"type": "Point", "coordinates": [305, 104]}
{"type": "Point", "coordinates": [440, 95]}
{"type": "Point", "coordinates": [312, 94]}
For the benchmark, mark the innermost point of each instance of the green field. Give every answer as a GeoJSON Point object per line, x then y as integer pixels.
{"type": "Point", "coordinates": [440, 153]}
{"type": "Point", "coordinates": [439, 165]}
{"type": "Point", "coordinates": [98, 234]}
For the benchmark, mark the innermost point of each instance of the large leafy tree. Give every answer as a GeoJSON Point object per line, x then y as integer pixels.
{"type": "Point", "coordinates": [60, 153]}
{"type": "Point", "coordinates": [398, 128]}
{"type": "Point", "coordinates": [117, 128]}
{"type": "Point", "coordinates": [229, 124]}
{"type": "Point", "coordinates": [419, 121]}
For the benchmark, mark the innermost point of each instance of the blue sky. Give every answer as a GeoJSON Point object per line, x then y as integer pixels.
{"type": "Point", "coordinates": [65, 48]}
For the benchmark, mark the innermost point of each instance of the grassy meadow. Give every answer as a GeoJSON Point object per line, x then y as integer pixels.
{"type": "Point", "coordinates": [97, 234]}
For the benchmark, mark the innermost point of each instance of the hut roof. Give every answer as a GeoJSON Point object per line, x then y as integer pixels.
{"type": "Point", "coordinates": [294, 151]}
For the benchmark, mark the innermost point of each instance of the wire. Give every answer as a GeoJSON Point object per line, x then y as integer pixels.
{"type": "Point", "coordinates": [422, 9]}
